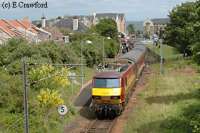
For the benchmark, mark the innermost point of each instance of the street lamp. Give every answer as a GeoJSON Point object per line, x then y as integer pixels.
{"type": "Point", "coordinates": [82, 43]}
{"type": "Point", "coordinates": [103, 53]}
{"type": "Point", "coordinates": [161, 35]}
{"type": "Point", "coordinates": [161, 56]}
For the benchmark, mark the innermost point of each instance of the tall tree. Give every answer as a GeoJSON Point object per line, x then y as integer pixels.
{"type": "Point", "coordinates": [180, 31]}
{"type": "Point", "coordinates": [131, 29]}
{"type": "Point", "coordinates": [107, 28]}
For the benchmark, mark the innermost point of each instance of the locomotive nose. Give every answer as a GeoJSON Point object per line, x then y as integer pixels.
{"type": "Point", "coordinates": [106, 91]}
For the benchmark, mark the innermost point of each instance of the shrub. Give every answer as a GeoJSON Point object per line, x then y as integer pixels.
{"type": "Point", "coordinates": [196, 52]}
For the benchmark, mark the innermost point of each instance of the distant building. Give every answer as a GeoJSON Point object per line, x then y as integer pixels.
{"type": "Point", "coordinates": [21, 29]}
{"type": "Point", "coordinates": [152, 26]}
{"type": "Point", "coordinates": [119, 18]}
{"type": "Point", "coordinates": [82, 23]}
{"type": "Point", "coordinates": [94, 19]}
{"type": "Point", "coordinates": [56, 35]}
{"type": "Point", "coordinates": [70, 23]}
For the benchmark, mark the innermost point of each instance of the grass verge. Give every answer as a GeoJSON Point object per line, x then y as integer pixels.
{"type": "Point", "coordinates": [167, 51]}
{"type": "Point", "coordinates": [170, 101]}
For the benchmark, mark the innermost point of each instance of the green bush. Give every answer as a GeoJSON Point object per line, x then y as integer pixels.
{"type": "Point", "coordinates": [107, 28]}
{"type": "Point", "coordinates": [183, 30]}
{"type": "Point", "coordinates": [11, 92]}
{"type": "Point", "coordinates": [11, 95]}
{"type": "Point", "coordinates": [196, 50]}
{"type": "Point", "coordinates": [195, 124]}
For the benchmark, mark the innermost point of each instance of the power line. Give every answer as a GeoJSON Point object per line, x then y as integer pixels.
{"type": "Point", "coordinates": [51, 76]}
{"type": "Point", "coordinates": [56, 64]}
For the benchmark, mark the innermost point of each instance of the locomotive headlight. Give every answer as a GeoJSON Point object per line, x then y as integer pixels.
{"type": "Point", "coordinates": [96, 97]}
{"type": "Point", "coordinates": [115, 97]}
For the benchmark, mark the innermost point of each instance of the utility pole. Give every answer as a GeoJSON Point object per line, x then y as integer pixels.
{"type": "Point", "coordinates": [81, 64]}
{"type": "Point", "coordinates": [25, 86]}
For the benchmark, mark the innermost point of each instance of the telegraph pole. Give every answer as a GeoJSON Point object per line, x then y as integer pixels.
{"type": "Point", "coordinates": [25, 86]}
{"type": "Point", "coordinates": [81, 64]}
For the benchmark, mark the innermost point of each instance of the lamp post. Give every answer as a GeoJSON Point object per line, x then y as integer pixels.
{"type": "Point", "coordinates": [161, 36]}
{"type": "Point", "coordinates": [103, 52]}
{"type": "Point", "coordinates": [83, 42]}
{"type": "Point", "coordinates": [161, 56]}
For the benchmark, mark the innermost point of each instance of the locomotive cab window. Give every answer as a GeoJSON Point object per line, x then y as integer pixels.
{"type": "Point", "coordinates": [106, 83]}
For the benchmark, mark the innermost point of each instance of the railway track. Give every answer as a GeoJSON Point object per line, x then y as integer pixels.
{"type": "Point", "coordinates": [100, 126]}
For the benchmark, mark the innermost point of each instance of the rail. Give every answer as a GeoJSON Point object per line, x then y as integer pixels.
{"type": "Point", "coordinates": [100, 126]}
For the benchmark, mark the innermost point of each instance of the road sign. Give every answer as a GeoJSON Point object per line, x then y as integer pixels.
{"type": "Point", "coordinates": [62, 109]}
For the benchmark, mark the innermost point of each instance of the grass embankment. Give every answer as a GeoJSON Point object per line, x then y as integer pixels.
{"type": "Point", "coordinates": [168, 52]}
{"type": "Point", "coordinates": [170, 101]}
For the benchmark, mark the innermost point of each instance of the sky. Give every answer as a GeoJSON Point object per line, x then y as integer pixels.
{"type": "Point", "coordinates": [134, 10]}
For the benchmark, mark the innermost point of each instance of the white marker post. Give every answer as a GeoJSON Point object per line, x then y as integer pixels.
{"type": "Point", "coordinates": [62, 110]}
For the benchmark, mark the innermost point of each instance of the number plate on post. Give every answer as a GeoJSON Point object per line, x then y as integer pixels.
{"type": "Point", "coordinates": [62, 109]}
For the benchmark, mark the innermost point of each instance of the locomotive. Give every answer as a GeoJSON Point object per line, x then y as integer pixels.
{"type": "Point", "coordinates": [111, 89]}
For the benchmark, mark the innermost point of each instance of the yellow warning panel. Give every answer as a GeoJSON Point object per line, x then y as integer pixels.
{"type": "Point", "coordinates": [106, 91]}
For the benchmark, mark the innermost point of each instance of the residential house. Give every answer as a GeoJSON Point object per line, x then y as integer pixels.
{"type": "Point", "coordinates": [94, 19]}
{"type": "Point", "coordinates": [82, 23]}
{"type": "Point", "coordinates": [57, 36]}
{"type": "Point", "coordinates": [70, 23]}
{"type": "Point", "coordinates": [152, 26]}
{"type": "Point", "coordinates": [21, 29]}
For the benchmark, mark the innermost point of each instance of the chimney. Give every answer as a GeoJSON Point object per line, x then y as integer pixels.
{"type": "Point", "coordinates": [94, 18]}
{"type": "Point", "coordinates": [117, 20]}
{"type": "Point", "coordinates": [43, 21]}
{"type": "Point", "coordinates": [75, 23]}
{"type": "Point", "coordinates": [26, 19]}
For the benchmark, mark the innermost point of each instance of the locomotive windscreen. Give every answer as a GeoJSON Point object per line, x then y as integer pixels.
{"type": "Point", "coordinates": [106, 83]}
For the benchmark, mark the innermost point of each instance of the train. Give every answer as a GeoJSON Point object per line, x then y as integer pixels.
{"type": "Point", "coordinates": [111, 89]}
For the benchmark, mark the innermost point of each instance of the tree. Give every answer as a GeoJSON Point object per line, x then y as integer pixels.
{"type": "Point", "coordinates": [47, 76]}
{"type": "Point", "coordinates": [196, 52]}
{"type": "Point", "coordinates": [131, 29]}
{"type": "Point", "coordinates": [48, 100]}
{"type": "Point", "coordinates": [180, 31]}
{"type": "Point", "coordinates": [107, 28]}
